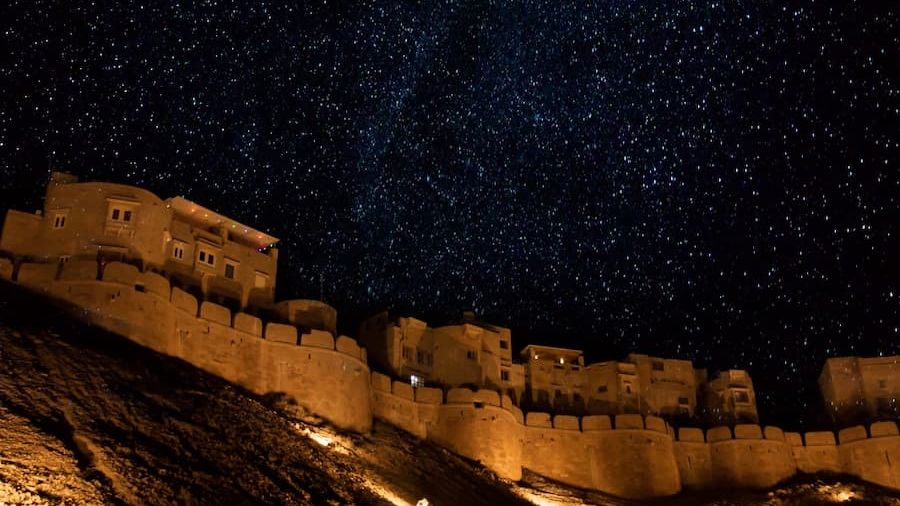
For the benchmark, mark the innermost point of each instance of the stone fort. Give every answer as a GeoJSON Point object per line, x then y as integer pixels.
{"type": "Point", "coordinates": [183, 280]}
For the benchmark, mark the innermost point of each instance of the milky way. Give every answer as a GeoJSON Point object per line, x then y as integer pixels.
{"type": "Point", "coordinates": [715, 181]}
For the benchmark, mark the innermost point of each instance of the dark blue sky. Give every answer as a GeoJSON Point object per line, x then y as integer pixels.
{"type": "Point", "coordinates": [707, 180]}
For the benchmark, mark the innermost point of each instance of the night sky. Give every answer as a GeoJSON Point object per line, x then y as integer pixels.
{"type": "Point", "coordinates": [715, 181]}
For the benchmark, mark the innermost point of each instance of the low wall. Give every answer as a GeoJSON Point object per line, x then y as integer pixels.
{"type": "Point", "coordinates": [873, 457]}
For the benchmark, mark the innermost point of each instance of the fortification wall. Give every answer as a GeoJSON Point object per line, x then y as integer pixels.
{"type": "Point", "coordinates": [628, 456]}
{"type": "Point", "coordinates": [482, 431]}
{"type": "Point", "coordinates": [748, 459]}
{"type": "Point", "coordinates": [692, 455]}
{"type": "Point", "coordinates": [872, 456]}
{"type": "Point", "coordinates": [329, 378]}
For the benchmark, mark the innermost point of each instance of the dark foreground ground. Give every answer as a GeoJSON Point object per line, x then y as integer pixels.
{"type": "Point", "coordinates": [89, 418]}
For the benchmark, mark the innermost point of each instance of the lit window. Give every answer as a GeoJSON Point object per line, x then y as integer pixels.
{"type": "Point", "coordinates": [562, 360]}
{"type": "Point", "coordinates": [59, 220]}
{"type": "Point", "coordinates": [416, 381]}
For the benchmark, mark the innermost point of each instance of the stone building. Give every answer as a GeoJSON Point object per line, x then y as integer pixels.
{"type": "Point", "coordinates": [471, 352]}
{"type": "Point", "coordinates": [554, 378]}
{"type": "Point", "coordinates": [730, 398]}
{"type": "Point", "coordinates": [206, 253]}
{"type": "Point", "coordinates": [858, 389]}
{"type": "Point", "coordinates": [667, 387]}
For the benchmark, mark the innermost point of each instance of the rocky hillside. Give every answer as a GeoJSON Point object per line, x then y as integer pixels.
{"type": "Point", "coordinates": [89, 418]}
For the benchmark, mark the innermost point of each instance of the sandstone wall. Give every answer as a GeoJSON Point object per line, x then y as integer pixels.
{"type": "Point", "coordinates": [329, 379]}
{"type": "Point", "coordinates": [628, 456]}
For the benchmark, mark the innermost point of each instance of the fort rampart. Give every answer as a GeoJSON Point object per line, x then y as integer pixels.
{"type": "Point", "coordinates": [627, 455]}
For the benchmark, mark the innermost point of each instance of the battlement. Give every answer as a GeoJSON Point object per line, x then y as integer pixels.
{"type": "Point", "coordinates": [628, 455]}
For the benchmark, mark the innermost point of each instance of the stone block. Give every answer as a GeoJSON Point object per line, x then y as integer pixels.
{"type": "Point", "coordinates": [506, 401]}
{"type": "Point", "coordinates": [80, 270]}
{"type": "Point", "coordinates": [402, 390]}
{"type": "Point", "coordinates": [851, 434]}
{"type": "Point", "coordinates": [489, 397]}
{"type": "Point", "coordinates": [718, 434]}
{"type": "Point", "coordinates": [881, 429]}
{"type": "Point", "coordinates": [747, 431]}
{"type": "Point", "coordinates": [281, 333]}
{"type": "Point", "coordinates": [538, 420]}
{"type": "Point", "coordinates": [184, 301]}
{"type": "Point", "coordinates": [690, 435]}
{"type": "Point", "coordinates": [629, 422]}
{"type": "Point", "coordinates": [121, 273]}
{"type": "Point", "coordinates": [215, 313]}
{"type": "Point", "coordinates": [566, 422]}
{"type": "Point", "coordinates": [596, 422]}
{"type": "Point", "coordinates": [6, 268]}
{"type": "Point", "coordinates": [793, 438]}
{"type": "Point", "coordinates": [248, 323]}
{"type": "Point", "coordinates": [427, 395]}
{"type": "Point", "coordinates": [517, 413]}
{"type": "Point", "coordinates": [381, 382]}
{"type": "Point", "coordinates": [347, 346]}
{"type": "Point", "coordinates": [459, 396]}
{"type": "Point", "coordinates": [317, 339]}
{"type": "Point", "coordinates": [655, 424]}
{"type": "Point", "coordinates": [154, 283]}
{"type": "Point", "coordinates": [820, 438]}
{"type": "Point", "coordinates": [34, 275]}
{"type": "Point", "coordinates": [773, 433]}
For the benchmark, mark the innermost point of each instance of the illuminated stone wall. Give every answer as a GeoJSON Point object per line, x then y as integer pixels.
{"type": "Point", "coordinates": [627, 455]}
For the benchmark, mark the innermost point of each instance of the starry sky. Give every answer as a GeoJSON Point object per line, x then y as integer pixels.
{"type": "Point", "coordinates": [716, 181]}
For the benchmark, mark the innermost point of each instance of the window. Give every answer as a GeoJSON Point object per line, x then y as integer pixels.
{"type": "Point", "coordinates": [407, 352]}
{"type": "Point", "coordinates": [471, 354]}
{"type": "Point", "coordinates": [416, 381]}
{"type": "Point", "coordinates": [659, 366]}
{"type": "Point", "coordinates": [63, 259]}
{"type": "Point", "coordinates": [504, 375]}
{"type": "Point", "coordinates": [627, 388]}
{"type": "Point", "coordinates": [683, 401]}
{"type": "Point", "coordinates": [261, 280]}
{"type": "Point", "coordinates": [420, 356]}
{"type": "Point", "coordinates": [504, 345]}
{"type": "Point", "coordinates": [178, 251]}
{"type": "Point", "coordinates": [741, 397]}
{"type": "Point", "coordinates": [206, 258]}
{"type": "Point", "coordinates": [59, 220]}
{"type": "Point", "coordinates": [882, 384]}
{"type": "Point", "coordinates": [126, 215]}
{"type": "Point", "coordinates": [602, 389]}
{"type": "Point", "coordinates": [115, 214]}
{"type": "Point", "coordinates": [231, 268]}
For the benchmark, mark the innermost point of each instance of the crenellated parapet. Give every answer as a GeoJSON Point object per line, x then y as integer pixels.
{"type": "Point", "coordinates": [325, 375]}
{"type": "Point", "coordinates": [627, 455]}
